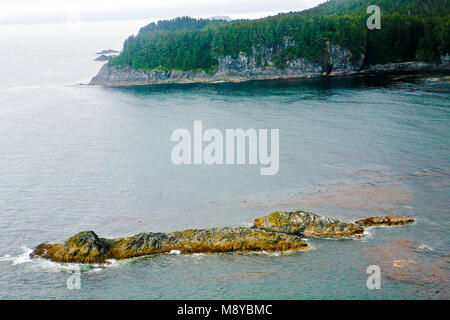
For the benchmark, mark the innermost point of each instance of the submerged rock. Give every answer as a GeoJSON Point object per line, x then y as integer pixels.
{"type": "Point", "coordinates": [307, 224]}
{"type": "Point", "coordinates": [385, 221]}
{"type": "Point", "coordinates": [87, 247]}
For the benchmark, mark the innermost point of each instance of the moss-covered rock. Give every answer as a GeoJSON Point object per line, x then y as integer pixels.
{"type": "Point", "coordinates": [385, 221]}
{"type": "Point", "coordinates": [276, 232]}
{"type": "Point", "coordinates": [307, 224]}
{"type": "Point", "coordinates": [87, 247]}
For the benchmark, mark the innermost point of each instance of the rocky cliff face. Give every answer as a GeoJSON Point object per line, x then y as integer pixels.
{"type": "Point", "coordinates": [259, 65]}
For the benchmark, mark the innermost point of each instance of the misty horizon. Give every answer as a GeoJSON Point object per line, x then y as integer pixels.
{"type": "Point", "coordinates": [49, 11]}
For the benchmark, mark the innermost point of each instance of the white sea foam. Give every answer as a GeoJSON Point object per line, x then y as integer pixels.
{"type": "Point", "coordinates": [367, 234]}
{"type": "Point", "coordinates": [272, 254]}
{"type": "Point", "coordinates": [5, 257]}
{"type": "Point", "coordinates": [51, 266]}
{"type": "Point", "coordinates": [424, 247]}
{"type": "Point", "coordinates": [198, 254]}
{"type": "Point", "coordinates": [19, 259]}
{"type": "Point", "coordinates": [174, 252]}
{"type": "Point", "coordinates": [112, 263]}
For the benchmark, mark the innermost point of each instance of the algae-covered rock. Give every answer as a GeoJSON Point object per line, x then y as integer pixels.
{"type": "Point", "coordinates": [385, 221]}
{"type": "Point", "coordinates": [307, 224]}
{"type": "Point", "coordinates": [276, 232]}
{"type": "Point", "coordinates": [87, 247]}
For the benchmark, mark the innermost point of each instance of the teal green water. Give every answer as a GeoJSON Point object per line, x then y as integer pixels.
{"type": "Point", "coordinates": [75, 157]}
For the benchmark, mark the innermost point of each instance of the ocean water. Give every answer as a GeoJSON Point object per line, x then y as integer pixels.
{"type": "Point", "coordinates": [75, 157]}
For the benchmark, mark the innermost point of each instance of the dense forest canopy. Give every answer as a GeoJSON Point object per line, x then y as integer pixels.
{"type": "Point", "coordinates": [180, 23]}
{"type": "Point", "coordinates": [411, 30]}
{"type": "Point", "coordinates": [403, 7]}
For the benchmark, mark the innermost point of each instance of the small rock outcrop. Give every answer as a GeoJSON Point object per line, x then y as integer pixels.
{"type": "Point", "coordinates": [308, 224]}
{"type": "Point", "coordinates": [87, 247]}
{"type": "Point", "coordinates": [385, 221]}
{"type": "Point", "coordinates": [105, 57]}
{"type": "Point", "coordinates": [107, 51]}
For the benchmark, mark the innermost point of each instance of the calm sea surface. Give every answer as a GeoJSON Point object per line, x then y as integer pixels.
{"type": "Point", "coordinates": [76, 157]}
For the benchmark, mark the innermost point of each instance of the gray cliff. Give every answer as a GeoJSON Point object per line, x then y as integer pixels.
{"type": "Point", "coordinates": [241, 68]}
{"type": "Point", "coordinates": [260, 65]}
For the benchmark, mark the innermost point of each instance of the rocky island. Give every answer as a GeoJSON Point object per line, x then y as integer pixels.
{"type": "Point", "coordinates": [104, 57]}
{"type": "Point", "coordinates": [277, 232]}
{"type": "Point", "coordinates": [328, 40]}
{"type": "Point", "coordinates": [107, 51]}
{"type": "Point", "coordinates": [87, 247]}
{"type": "Point", "coordinates": [385, 221]}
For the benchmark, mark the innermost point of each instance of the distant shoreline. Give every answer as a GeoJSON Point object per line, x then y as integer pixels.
{"type": "Point", "coordinates": [123, 77]}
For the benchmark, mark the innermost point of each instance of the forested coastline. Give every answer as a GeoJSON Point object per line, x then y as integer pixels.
{"type": "Point", "coordinates": [412, 30]}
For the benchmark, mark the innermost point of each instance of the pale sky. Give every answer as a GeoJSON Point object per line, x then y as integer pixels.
{"type": "Point", "coordinates": [44, 11]}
